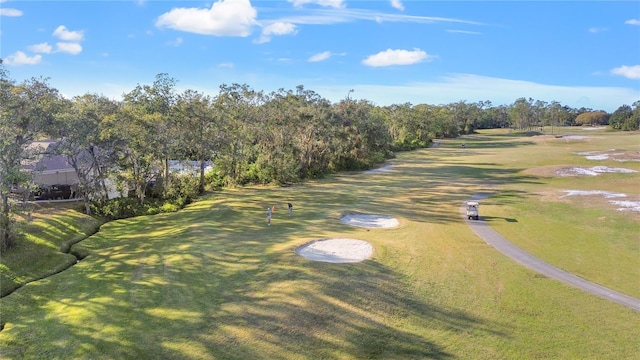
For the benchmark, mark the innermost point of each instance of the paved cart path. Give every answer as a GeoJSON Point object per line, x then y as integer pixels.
{"type": "Point", "coordinates": [494, 239]}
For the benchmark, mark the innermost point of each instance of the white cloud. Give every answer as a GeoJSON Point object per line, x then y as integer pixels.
{"type": "Point", "coordinates": [176, 42]}
{"type": "Point", "coordinates": [344, 15]}
{"type": "Point", "coordinates": [325, 3]}
{"type": "Point", "coordinates": [320, 56]}
{"type": "Point", "coordinates": [632, 22]}
{"type": "Point", "coordinates": [10, 12]}
{"type": "Point", "coordinates": [225, 18]}
{"type": "Point", "coordinates": [62, 33]}
{"type": "Point", "coordinates": [473, 88]}
{"type": "Point", "coordinates": [44, 48]}
{"type": "Point", "coordinates": [69, 48]}
{"type": "Point", "coordinates": [631, 72]}
{"type": "Point", "coordinates": [276, 28]}
{"type": "Point", "coordinates": [391, 57]}
{"type": "Point", "coordinates": [597, 30]}
{"type": "Point", "coordinates": [227, 65]}
{"type": "Point", "coordinates": [397, 4]}
{"type": "Point", "coordinates": [279, 28]}
{"type": "Point", "coordinates": [19, 58]}
{"type": "Point", "coordinates": [463, 32]}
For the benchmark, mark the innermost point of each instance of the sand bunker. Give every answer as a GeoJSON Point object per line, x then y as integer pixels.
{"type": "Point", "coordinates": [369, 221]}
{"type": "Point", "coordinates": [336, 250]}
{"type": "Point", "coordinates": [380, 170]}
{"type": "Point", "coordinates": [592, 171]}
{"type": "Point", "coordinates": [572, 137]}
{"type": "Point", "coordinates": [611, 154]}
{"type": "Point", "coordinates": [622, 205]}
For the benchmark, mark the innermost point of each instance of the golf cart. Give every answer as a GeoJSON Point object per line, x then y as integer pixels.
{"type": "Point", "coordinates": [472, 210]}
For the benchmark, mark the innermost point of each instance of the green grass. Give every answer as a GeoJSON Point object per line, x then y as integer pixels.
{"type": "Point", "coordinates": [45, 249]}
{"type": "Point", "coordinates": [214, 282]}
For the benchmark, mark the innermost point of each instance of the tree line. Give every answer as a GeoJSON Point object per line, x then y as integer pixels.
{"type": "Point", "coordinates": [250, 136]}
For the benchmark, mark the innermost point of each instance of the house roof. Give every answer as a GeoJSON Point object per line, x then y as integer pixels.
{"type": "Point", "coordinates": [46, 160]}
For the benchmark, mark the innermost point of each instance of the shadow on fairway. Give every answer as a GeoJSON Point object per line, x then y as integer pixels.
{"type": "Point", "coordinates": [211, 283]}
{"type": "Point", "coordinates": [426, 192]}
{"type": "Point", "coordinates": [497, 218]}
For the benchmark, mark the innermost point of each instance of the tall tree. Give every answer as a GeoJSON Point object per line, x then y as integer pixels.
{"type": "Point", "coordinates": [626, 118]}
{"type": "Point", "coordinates": [26, 109]}
{"type": "Point", "coordinates": [521, 114]}
{"type": "Point", "coordinates": [159, 100]}
{"type": "Point", "coordinates": [132, 133]}
{"type": "Point", "coordinates": [196, 112]}
{"type": "Point", "coordinates": [89, 154]}
{"type": "Point", "coordinates": [238, 106]}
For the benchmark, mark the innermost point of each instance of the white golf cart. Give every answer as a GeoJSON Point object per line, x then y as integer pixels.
{"type": "Point", "coordinates": [472, 210]}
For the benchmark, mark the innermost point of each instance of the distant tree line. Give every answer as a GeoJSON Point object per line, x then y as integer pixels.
{"type": "Point", "coordinates": [250, 136]}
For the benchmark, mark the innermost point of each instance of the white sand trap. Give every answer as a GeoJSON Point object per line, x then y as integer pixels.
{"type": "Point", "coordinates": [592, 171]}
{"type": "Point", "coordinates": [623, 205]}
{"type": "Point", "coordinates": [573, 137]}
{"type": "Point", "coordinates": [336, 250]}
{"type": "Point", "coordinates": [611, 154]}
{"type": "Point", "coordinates": [370, 221]}
{"type": "Point", "coordinates": [380, 170]}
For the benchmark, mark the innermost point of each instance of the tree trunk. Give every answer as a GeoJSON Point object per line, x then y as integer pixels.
{"type": "Point", "coordinates": [201, 185]}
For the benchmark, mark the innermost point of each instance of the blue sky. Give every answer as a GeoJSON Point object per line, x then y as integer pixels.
{"type": "Point", "coordinates": [581, 53]}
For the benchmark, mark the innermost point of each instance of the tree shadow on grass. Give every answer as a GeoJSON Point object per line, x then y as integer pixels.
{"type": "Point", "coordinates": [175, 289]}
{"type": "Point", "coordinates": [424, 192]}
{"type": "Point", "coordinates": [497, 218]}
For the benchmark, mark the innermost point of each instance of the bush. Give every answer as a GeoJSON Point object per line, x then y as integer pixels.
{"type": "Point", "coordinates": [214, 181]}
{"type": "Point", "coordinates": [170, 207]}
{"type": "Point", "coordinates": [118, 208]}
{"type": "Point", "coordinates": [9, 232]}
{"type": "Point", "coordinates": [182, 190]}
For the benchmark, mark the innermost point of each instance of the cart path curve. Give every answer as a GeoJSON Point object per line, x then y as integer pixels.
{"type": "Point", "coordinates": [494, 239]}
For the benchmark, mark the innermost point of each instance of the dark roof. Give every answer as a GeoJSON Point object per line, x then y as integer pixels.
{"type": "Point", "coordinates": [47, 160]}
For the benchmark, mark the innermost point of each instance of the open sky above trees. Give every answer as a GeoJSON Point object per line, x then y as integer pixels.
{"type": "Point", "coordinates": [582, 54]}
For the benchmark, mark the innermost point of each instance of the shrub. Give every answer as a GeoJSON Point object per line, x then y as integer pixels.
{"type": "Point", "coordinates": [182, 190]}
{"type": "Point", "coordinates": [170, 207]}
{"type": "Point", "coordinates": [118, 208]}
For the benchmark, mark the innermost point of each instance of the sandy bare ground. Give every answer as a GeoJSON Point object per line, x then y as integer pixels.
{"type": "Point", "coordinates": [370, 221]}
{"type": "Point", "coordinates": [336, 250]}
{"type": "Point", "coordinates": [339, 250]}
{"type": "Point", "coordinates": [380, 170]}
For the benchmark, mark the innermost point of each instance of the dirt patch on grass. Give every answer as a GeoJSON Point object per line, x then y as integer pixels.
{"type": "Point", "coordinates": [611, 154]}
{"type": "Point", "coordinates": [564, 171]}
{"type": "Point", "coordinates": [369, 220]}
{"type": "Point", "coordinates": [620, 201]}
{"type": "Point", "coordinates": [380, 170]}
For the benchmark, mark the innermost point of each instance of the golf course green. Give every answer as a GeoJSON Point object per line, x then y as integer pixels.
{"type": "Point", "coordinates": [213, 281]}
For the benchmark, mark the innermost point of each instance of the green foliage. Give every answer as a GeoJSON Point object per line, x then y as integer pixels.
{"type": "Point", "coordinates": [625, 118]}
{"type": "Point", "coordinates": [169, 207]}
{"type": "Point", "coordinates": [118, 208]}
{"type": "Point", "coordinates": [214, 180]}
{"type": "Point", "coordinates": [9, 232]}
{"type": "Point", "coordinates": [432, 289]}
{"type": "Point", "coordinates": [592, 118]}
{"type": "Point", "coordinates": [183, 189]}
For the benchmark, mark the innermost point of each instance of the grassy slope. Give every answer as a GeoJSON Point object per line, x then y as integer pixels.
{"type": "Point", "coordinates": [213, 281]}
{"type": "Point", "coordinates": [45, 249]}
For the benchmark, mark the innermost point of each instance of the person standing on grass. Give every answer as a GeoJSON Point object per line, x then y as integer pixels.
{"type": "Point", "coordinates": [290, 209]}
{"type": "Point", "coordinates": [269, 216]}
